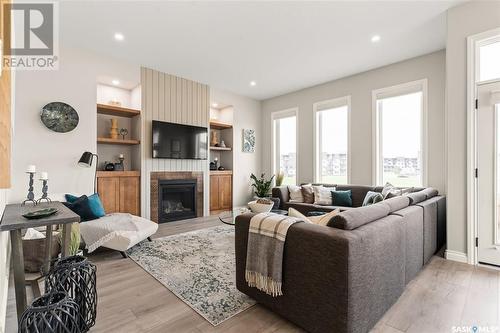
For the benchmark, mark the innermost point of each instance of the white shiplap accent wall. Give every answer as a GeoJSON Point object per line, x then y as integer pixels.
{"type": "Point", "coordinates": [169, 98]}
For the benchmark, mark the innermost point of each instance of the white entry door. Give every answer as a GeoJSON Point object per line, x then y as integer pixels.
{"type": "Point", "coordinates": [488, 173]}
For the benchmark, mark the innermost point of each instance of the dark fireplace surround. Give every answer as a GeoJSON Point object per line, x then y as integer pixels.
{"type": "Point", "coordinates": [176, 196]}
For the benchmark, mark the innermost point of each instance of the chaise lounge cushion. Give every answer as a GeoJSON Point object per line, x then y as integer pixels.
{"type": "Point", "coordinates": [118, 231]}
{"type": "Point", "coordinates": [354, 218]}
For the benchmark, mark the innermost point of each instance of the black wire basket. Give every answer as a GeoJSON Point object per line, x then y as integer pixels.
{"type": "Point", "coordinates": [52, 312]}
{"type": "Point", "coordinates": [76, 276]}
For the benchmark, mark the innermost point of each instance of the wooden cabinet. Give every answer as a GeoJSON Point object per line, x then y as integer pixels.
{"type": "Point", "coordinates": [119, 191]}
{"type": "Point", "coordinates": [221, 191]}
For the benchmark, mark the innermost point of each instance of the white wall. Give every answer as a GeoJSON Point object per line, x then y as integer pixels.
{"type": "Point", "coordinates": [463, 21]}
{"type": "Point", "coordinates": [58, 153]}
{"type": "Point", "coordinates": [246, 115]}
{"type": "Point", "coordinates": [360, 87]}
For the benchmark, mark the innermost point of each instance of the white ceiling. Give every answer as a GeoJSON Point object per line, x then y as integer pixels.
{"type": "Point", "coordinates": [283, 46]}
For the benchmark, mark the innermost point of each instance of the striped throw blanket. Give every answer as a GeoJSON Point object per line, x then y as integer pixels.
{"type": "Point", "coordinates": [266, 243]}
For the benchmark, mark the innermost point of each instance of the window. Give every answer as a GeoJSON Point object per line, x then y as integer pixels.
{"type": "Point", "coordinates": [400, 128]}
{"type": "Point", "coordinates": [489, 63]}
{"type": "Point", "coordinates": [331, 141]}
{"type": "Point", "coordinates": [285, 144]}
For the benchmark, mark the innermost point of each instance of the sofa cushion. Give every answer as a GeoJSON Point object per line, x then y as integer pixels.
{"type": "Point", "coordinates": [308, 193]}
{"type": "Point", "coordinates": [430, 192]}
{"type": "Point", "coordinates": [342, 198]}
{"type": "Point", "coordinates": [372, 197]}
{"type": "Point", "coordinates": [322, 219]}
{"type": "Point", "coordinates": [323, 195]}
{"type": "Point", "coordinates": [295, 193]}
{"type": "Point", "coordinates": [416, 197]}
{"type": "Point", "coordinates": [397, 203]}
{"type": "Point", "coordinates": [354, 218]}
{"type": "Point", "coordinates": [358, 193]}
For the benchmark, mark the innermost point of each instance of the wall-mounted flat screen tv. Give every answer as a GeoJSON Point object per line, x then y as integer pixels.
{"type": "Point", "coordinates": [178, 141]}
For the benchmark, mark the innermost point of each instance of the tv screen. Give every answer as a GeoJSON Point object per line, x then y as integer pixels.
{"type": "Point", "coordinates": [179, 141]}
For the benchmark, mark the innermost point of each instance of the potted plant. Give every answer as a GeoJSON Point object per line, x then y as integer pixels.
{"type": "Point", "coordinates": [74, 244]}
{"type": "Point", "coordinates": [262, 186]}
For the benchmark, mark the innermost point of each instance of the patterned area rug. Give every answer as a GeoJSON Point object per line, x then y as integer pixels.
{"type": "Point", "coordinates": [199, 267]}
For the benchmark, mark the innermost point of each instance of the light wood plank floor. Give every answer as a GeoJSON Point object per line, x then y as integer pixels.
{"type": "Point", "coordinates": [444, 294]}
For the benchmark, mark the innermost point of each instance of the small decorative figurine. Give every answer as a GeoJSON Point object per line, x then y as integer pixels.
{"type": "Point", "coordinates": [31, 196]}
{"type": "Point", "coordinates": [44, 177]}
{"type": "Point", "coordinates": [123, 132]}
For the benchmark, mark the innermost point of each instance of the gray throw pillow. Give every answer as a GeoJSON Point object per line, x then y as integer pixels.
{"type": "Point", "coordinates": [372, 197]}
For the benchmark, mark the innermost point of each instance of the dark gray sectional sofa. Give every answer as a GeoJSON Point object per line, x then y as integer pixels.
{"type": "Point", "coordinates": [344, 277]}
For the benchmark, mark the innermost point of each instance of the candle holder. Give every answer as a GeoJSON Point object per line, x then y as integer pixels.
{"type": "Point", "coordinates": [31, 196]}
{"type": "Point", "coordinates": [45, 189]}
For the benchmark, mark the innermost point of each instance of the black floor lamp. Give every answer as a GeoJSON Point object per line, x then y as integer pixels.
{"type": "Point", "coordinates": [86, 162]}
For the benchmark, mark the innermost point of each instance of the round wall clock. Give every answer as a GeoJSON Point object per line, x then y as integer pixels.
{"type": "Point", "coordinates": [59, 117]}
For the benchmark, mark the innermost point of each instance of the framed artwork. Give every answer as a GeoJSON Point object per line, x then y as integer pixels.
{"type": "Point", "coordinates": [248, 141]}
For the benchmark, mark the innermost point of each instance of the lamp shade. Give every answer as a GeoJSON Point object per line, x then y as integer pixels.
{"type": "Point", "coordinates": [86, 159]}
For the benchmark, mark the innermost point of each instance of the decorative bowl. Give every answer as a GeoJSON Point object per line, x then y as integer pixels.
{"type": "Point", "coordinates": [41, 213]}
{"type": "Point", "coordinates": [256, 207]}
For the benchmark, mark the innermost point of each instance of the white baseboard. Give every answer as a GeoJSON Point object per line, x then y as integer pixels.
{"type": "Point", "coordinates": [456, 256]}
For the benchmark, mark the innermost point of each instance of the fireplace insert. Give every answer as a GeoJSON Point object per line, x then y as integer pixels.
{"type": "Point", "coordinates": [176, 200]}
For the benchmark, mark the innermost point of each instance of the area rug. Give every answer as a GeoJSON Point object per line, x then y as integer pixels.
{"type": "Point", "coordinates": [198, 267]}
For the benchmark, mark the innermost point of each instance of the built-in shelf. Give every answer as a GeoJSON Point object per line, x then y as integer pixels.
{"type": "Point", "coordinates": [129, 173]}
{"type": "Point", "coordinates": [221, 172]}
{"type": "Point", "coordinates": [220, 148]}
{"type": "Point", "coordinates": [118, 141]}
{"type": "Point", "coordinates": [117, 111]}
{"type": "Point", "coordinates": [214, 124]}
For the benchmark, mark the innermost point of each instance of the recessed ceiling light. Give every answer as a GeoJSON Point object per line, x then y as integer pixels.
{"type": "Point", "coordinates": [214, 105]}
{"type": "Point", "coordinates": [115, 82]}
{"type": "Point", "coordinates": [119, 36]}
{"type": "Point", "coordinates": [375, 38]}
{"type": "Point", "coordinates": [253, 83]}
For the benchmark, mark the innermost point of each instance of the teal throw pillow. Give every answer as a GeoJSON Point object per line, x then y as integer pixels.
{"type": "Point", "coordinates": [342, 198]}
{"type": "Point", "coordinates": [94, 203]}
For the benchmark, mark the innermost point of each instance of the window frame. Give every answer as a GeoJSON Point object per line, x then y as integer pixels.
{"type": "Point", "coordinates": [325, 105]}
{"type": "Point", "coordinates": [394, 91]}
{"type": "Point", "coordinates": [276, 115]}
{"type": "Point", "coordinates": [484, 42]}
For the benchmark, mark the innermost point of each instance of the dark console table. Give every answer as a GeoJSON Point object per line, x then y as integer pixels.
{"type": "Point", "coordinates": [13, 222]}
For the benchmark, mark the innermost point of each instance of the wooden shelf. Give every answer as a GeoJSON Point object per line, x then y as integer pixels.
{"type": "Point", "coordinates": [118, 141]}
{"type": "Point", "coordinates": [214, 124]}
{"type": "Point", "coordinates": [220, 148]}
{"type": "Point", "coordinates": [117, 111]}
{"type": "Point", "coordinates": [130, 173]}
{"type": "Point", "coordinates": [221, 172]}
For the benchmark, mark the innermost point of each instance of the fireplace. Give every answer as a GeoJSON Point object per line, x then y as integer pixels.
{"type": "Point", "coordinates": [176, 200]}
{"type": "Point", "coordinates": [172, 193]}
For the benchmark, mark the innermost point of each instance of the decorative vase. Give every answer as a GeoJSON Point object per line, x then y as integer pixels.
{"type": "Point", "coordinates": [76, 276]}
{"type": "Point", "coordinates": [113, 132]}
{"type": "Point", "coordinates": [53, 312]}
{"type": "Point", "coordinates": [214, 141]}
